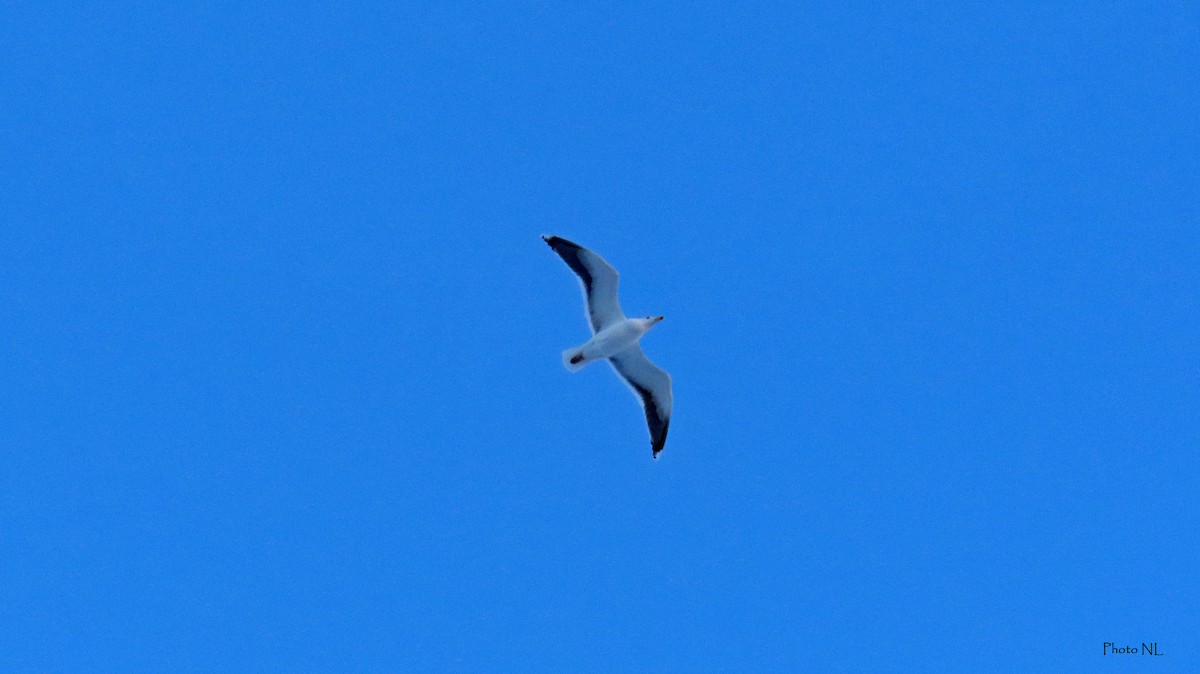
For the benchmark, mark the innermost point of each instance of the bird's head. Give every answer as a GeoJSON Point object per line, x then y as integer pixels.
{"type": "Point", "coordinates": [652, 320]}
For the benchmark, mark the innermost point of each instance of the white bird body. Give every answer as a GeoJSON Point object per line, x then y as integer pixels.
{"type": "Point", "coordinates": [610, 341]}
{"type": "Point", "coordinates": [615, 338]}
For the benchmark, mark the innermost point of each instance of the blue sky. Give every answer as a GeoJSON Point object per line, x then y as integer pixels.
{"type": "Point", "coordinates": [281, 386]}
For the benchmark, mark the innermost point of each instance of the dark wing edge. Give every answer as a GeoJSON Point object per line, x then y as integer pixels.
{"type": "Point", "coordinates": [569, 252]}
{"type": "Point", "coordinates": [655, 421]}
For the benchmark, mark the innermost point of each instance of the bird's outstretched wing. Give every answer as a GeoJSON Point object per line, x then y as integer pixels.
{"type": "Point", "coordinates": [653, 386]}
{"type": "Point", "coordinates": [599, 281]}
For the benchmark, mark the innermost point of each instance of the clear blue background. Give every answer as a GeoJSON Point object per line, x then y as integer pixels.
{"type": "Point", "coordinates": [281, 386]}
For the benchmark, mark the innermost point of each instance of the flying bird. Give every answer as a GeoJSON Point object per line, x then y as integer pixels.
{"type": "Point", "coordinates": [615, 337]}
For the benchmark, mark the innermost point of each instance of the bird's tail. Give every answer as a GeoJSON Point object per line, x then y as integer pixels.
{"type": "Point", "coordinates": [573, 359]}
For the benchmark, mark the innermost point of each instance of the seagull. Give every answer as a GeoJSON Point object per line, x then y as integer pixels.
{"type": "Point", "coordinates": [615, 337]}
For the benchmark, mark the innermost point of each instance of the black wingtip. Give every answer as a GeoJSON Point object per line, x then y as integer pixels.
{"type": "Point", "coordinates": [657, 443]}
{"type": "Point", "coordinates": [557, 242]}
{"type": "Point", "coordinates": [553, 241]}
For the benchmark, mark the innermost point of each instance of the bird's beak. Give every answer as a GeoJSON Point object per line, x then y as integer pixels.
{"type": "Point", "coordinates": [658, 318]}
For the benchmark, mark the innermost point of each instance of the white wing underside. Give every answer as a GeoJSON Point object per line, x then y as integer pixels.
{"type": "Point", "coordinates": [599, 281]}
{"type": "Point", "coordinates": [603, 307]}
{"type": "Point", "coordinates": [653, 385]}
